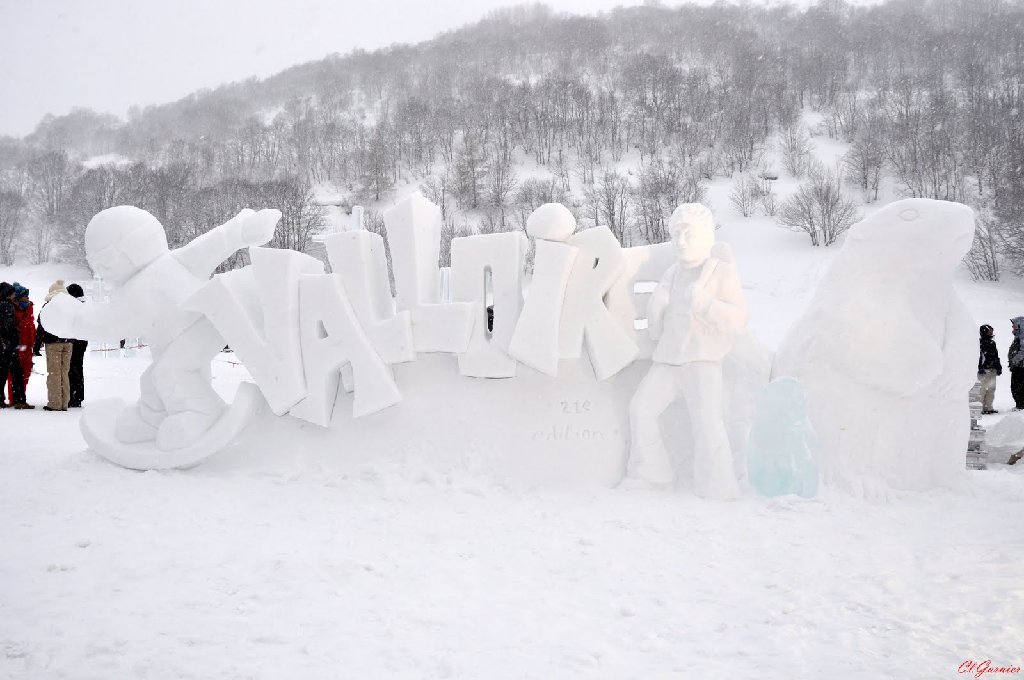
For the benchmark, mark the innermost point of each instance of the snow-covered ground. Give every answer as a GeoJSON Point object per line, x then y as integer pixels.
{"type": "Point", "coordinates": [277, 562]}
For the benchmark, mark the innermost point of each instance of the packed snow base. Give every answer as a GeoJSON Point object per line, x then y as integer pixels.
{"type": "Point", "coordinates": [286, 557]}
{"type": "Point", "coordinates": [299, 330]}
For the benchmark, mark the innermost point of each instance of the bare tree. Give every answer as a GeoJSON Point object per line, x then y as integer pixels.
{"type": "Point", "coordinates": [438, 189]}
{"type": "Point", "coordinates": [796, 150]}
{"type": "Point", "coordinates": [745, 194]}
{"type": "Point", "coordinates": [768, 200]}
{"type": "Point", "coordinates": [819, 208]}
{"type": "Point", "coordinates": [866, 158]}
{"type": "Point", "coordinates": [12, 205]}
{"type": "Point", "coordinates": [610, 199]}
{"type": "Point", "coordinates": [982, 261]}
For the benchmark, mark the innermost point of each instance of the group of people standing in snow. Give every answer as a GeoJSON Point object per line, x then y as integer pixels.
{"type": "Point", "coordinates": [989, 366]}
{"type": "Point", "coordinates": [22, 338]}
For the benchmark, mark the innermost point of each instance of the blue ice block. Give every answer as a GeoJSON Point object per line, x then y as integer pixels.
{"type": "Point", "coordinates": [782, 450]}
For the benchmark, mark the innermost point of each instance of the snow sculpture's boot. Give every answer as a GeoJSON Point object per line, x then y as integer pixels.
{"type": "Point", "coordinates": [185, 428]}
{"type": "Point", "coordinates": [649, 465]}
{"type": "Point", "coordinates": [138, 423]}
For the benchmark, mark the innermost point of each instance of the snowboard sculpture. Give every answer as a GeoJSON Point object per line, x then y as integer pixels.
{"type": "Point", "coordinates": [178, 417]}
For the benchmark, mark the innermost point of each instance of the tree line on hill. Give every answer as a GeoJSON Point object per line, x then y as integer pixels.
{"type": "Point", "coordinates": [620, 116]}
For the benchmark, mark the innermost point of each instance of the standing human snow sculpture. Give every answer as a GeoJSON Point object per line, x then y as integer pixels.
{"type": "Point", "coordinates": [886, 351]}
{"type": "Point", "coordinates": [782, 451]}
{"type": "Point", "coordinates": [128, 247]}
{"type": "Point", "coordinates": [695, 314]}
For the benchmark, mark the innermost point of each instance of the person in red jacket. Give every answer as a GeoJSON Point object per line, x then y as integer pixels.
{"type": "Point", "coordinates": [25, 317]}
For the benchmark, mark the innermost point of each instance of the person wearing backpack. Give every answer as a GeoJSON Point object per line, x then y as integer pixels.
{"type": "Point", "coordinates": [58, 358]}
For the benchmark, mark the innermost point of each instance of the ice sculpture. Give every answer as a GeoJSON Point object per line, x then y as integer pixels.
{"type": "Point", "coordinates": [886, 351]}
{"type": "Point", "coordinates": [128, 247]}
{"type": "Point", "coordinates": [782, 455]}
{"type": "Point", "coordinates": [695, 314]}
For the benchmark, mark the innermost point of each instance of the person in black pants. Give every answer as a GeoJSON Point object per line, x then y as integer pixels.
{"type": "Point", "coordinates": [1015, 358]}
{"type": "Point", "coordinates": [10, 339]}
{"type": "Point", "coordinates": [78, 349]}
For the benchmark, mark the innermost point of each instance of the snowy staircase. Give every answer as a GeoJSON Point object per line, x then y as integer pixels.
{"type": "Point", "coordinates": [977, 457]}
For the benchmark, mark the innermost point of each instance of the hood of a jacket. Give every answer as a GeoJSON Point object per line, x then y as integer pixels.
{"type": "Point", "coordinates": [1018, 326]}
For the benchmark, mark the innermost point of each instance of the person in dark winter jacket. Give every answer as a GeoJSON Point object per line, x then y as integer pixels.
{"type": "Point", "coordinates": [76, 379]}
{"type": "Point", "coordinates": [989, 367]}
{"type": "Point", "coordinates": [25, 316]}
{"type": "Point", "coordinates": [58, 360]}
{"type": "Point", "coordinates": [10, 340]}
{"type": "Point", "coordinates": [1015, 360]}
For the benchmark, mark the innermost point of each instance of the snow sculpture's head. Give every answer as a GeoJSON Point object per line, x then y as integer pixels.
{"type": "Point", "coordinates": [551, 222]}
{"type": "Point", "coordinates": [912, 239]}
{"type": "Point", "coordinates": [692, 228]}
{"type": "Point", "coordinates": [120, 241]}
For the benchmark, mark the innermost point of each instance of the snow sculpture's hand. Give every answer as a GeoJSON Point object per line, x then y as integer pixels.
{"type": "Point", "coordinates": [258, 228]}
{"type": "Point", "coordinates": [58, 315]}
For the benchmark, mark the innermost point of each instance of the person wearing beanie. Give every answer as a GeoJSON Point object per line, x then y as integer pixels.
{"type": "Point", "coordinates": [10, 340]}
{"type": "Point", "coordinates": [989, 366]}
{"type": "Point", "coordinates": [25, 316]}
{"type": "Point", "coordinates": [76, 377]}
{"type": "Point", "coordinates": [58, 359]}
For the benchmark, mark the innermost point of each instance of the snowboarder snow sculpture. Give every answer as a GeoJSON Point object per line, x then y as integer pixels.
{"type": "Point", "coordinates": [886, 351]}
{"type": "Point", "coordinates": [128, 247]}
{"type": "Point", "coordinates": [695, 314]}
{"type": "Point", "coordinates": [782, 452]}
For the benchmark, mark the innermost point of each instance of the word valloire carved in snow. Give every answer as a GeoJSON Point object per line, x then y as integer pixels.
{"type": "Point", "coordinates": [319, 331]}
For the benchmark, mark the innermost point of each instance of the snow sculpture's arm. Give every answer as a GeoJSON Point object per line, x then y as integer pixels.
{"type": "Point", "coordinates": [67, 317]}
{"type": "Point", "coordinates": [658, 303]}
{"type": "Point", "coordinates": [203, 254]}
{"type": "Point", "coordinates": [725, 309]}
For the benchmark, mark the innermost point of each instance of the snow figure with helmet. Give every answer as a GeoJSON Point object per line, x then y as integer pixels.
{"type": "Point", "coordinates": [695, 315]}
{"type": "Point", "coordinates": [128, 247]}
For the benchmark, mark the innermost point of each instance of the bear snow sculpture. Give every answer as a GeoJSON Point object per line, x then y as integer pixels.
{"type": "Point", "coordinates": [886, 351]}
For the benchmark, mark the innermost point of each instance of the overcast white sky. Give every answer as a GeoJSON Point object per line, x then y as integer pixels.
{"type": "Point", "coordinates": [110, 54]}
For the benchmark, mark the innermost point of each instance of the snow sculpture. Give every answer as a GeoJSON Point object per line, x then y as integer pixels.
{"type": "Point", "coordinates": [746, 371]}
{"type": "Point", "coordinates": [256, 311]}
{"type": "Point", "coordinates": [584, 315]}
{"type": "Point", "coordinates": [128, 247]}
{"type": "Point", "coordinates": [489, 264]}
{"type": "Point", "coordinates": [358, 258]}
{"type": "Point", "coordinates": [331, 338]}
{"type": "Point", "coordinates": [414, 234]}
{"type": "Point", "coordinates": [535, 340]}
{"type": "Point", "coordinates": [695, 314]}
{"type": "Point", "coordinates": [782, 449]}
{"type": "Point", "coordinates": [628, 296]}
{"type": "Point", "coordinates": [886, 351]}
